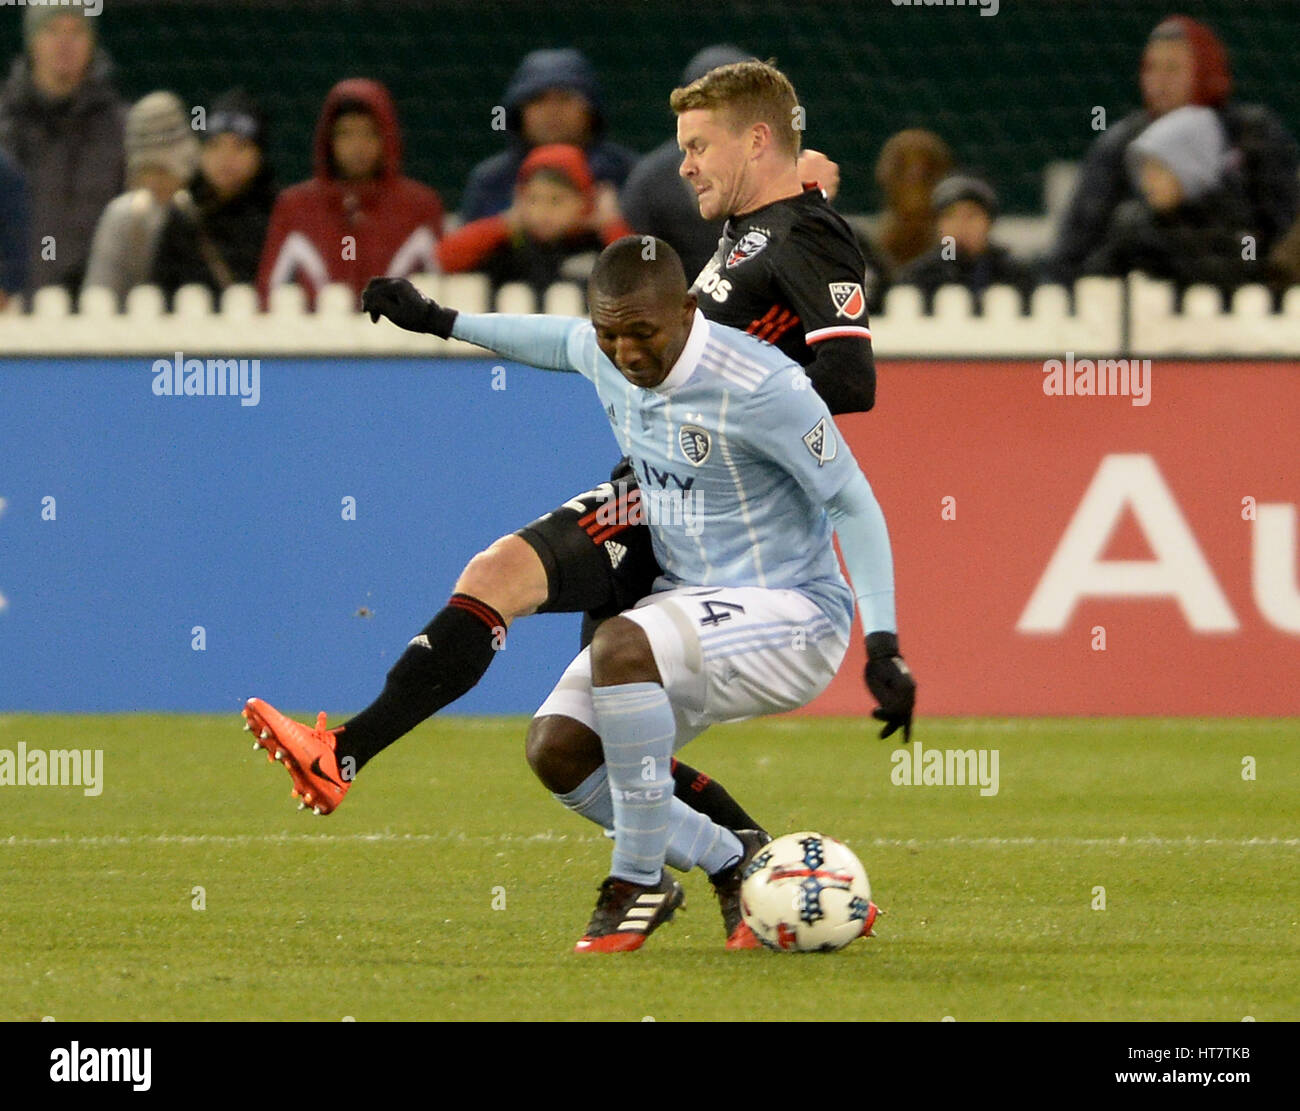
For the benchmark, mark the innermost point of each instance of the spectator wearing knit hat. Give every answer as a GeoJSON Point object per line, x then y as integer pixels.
{"type": "Point", "coordinates": [1184, 64]}
{"type": "Point", "coordinates": [965, 208]}
{"type": "Point", "coordinates": [1188, 220]}
{"type": "Point", "coordinates": [61, 121]}
{"type": "Point", "coordinates": [214, 231]}
{"type": "Point", "coordinates": [559, 221]}
{"type": "Point", "coordinates": [162, 154]}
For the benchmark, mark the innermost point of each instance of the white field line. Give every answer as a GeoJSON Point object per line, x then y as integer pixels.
{"type": "Point", "coordinates": [509, 838]}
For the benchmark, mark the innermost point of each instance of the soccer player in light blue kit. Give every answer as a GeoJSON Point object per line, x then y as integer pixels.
{"type": "Point", "coordinates": [743, 478]}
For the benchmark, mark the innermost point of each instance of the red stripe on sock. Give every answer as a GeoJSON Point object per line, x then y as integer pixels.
{"type": "Point", "coordinates": [481, 610]}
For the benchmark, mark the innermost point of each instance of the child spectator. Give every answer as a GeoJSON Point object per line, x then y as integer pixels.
{"type": "Point", "coordinates": [1189, 219]}
{"type": "Point", "coordinates": [553, 97]}
{"type": "Point", "coordinates": [162, 154]}
{"type": "Point", "coordinates": [358, 216]}
{"type": "Point", "coordinates": [61, 121]}
{"type": "Point", "coordinates": [559, 221]}
{"type": "Point", "coordinates": [214, 231]}
{"type": "Point", "coordinates": [966, 207]}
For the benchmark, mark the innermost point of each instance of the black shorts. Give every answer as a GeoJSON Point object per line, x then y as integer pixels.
{"type": "Point", "coordinates": [597, 560]}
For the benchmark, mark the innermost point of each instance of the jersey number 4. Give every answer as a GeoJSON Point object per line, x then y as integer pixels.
{"type": "Point", "coordinates": [718, 612]}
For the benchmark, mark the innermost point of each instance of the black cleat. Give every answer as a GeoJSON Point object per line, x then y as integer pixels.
{"type": "Point", "coordinates": [726, 885]}
{"type": "Point", "coordinates": [627, 913]}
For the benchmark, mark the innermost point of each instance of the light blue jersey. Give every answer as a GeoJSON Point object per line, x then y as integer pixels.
{"type": "Point", "coordinates": [737, 458]}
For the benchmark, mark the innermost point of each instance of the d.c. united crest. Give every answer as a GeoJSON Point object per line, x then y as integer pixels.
{"type": "Point", "coordinates": [746, 247]}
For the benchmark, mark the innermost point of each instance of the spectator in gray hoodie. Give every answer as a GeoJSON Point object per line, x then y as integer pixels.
{"type": "Point", "coordinates": [1190, 218]}
{"type": "Point", "coordinates": [61, 121]}
{"type": "Point", "coordinates": [162, 155]}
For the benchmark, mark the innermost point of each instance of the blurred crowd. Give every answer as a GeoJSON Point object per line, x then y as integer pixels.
{"type": "Point", "coordinates": [1194, 186]}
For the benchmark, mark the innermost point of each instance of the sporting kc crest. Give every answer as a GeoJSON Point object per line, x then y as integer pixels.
{"type": "Point", "coordinates": [695, 443]}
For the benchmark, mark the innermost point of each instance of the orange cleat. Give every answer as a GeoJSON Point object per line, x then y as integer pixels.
{"type": "Point", "coordinates": [742, 937]}
{"type": "Point", "coordinates": [308, 753]}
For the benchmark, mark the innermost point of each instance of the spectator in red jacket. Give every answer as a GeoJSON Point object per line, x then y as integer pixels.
{"type": "Point", "coordinates": [357, 216]}
{"type": "Point", "coordinates": [559, 221]}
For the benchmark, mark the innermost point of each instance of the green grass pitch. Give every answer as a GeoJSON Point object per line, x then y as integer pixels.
{"type": "Point", "coordinates": [450, 885]}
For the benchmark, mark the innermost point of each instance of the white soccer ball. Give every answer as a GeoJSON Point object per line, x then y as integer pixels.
{"type": "Point", "coordinates": [806, 892]}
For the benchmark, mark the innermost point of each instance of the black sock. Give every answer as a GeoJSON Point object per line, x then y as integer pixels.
{"type": "Point", "coordinates": [710, 798]}
{"type": "Point", "coordinates": [446, 660]}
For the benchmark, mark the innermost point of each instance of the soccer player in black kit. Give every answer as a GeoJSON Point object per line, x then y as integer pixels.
{"type": "Point", "coordinates": [788, 270]}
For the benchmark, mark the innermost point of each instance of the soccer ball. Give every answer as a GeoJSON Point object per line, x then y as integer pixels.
{"type": "Point", "coordinates": [806, 892]}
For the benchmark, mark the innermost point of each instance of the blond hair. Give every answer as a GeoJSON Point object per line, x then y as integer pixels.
{"type": "Point", "coordinates": [748, 93]}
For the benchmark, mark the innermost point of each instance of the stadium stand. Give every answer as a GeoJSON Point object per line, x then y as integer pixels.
{"type": "Point", "coordinates": [1018, 98]}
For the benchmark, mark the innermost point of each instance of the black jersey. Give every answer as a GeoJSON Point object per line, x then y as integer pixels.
{"type": "Point", "coordinates": [789, 273]}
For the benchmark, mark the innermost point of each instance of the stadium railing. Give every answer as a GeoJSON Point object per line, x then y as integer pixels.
{"type": "Point", "coordinates": [1106, 319]}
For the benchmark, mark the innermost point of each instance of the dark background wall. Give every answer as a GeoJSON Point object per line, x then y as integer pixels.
{"type": "Point", "coordinates": [1009, 92]}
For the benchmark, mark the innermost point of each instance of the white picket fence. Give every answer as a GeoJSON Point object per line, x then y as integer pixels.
{"type": "Point", "coordinates": [1103, 322]}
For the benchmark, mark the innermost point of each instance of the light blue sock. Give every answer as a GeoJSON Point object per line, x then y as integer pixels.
{"type": "Point", "coordinates": [590, 798]}
{"type": "Point", "coordinates": [694, 838]}
{"type": "Point", "coordinates": [637, 729]}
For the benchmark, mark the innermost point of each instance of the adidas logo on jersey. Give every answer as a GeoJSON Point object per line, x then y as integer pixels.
{"type": "Point", "coordinates": [616, 552]}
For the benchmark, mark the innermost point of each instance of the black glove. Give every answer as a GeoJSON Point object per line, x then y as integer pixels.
{"type": "Point", "coordinates": [891, 684]}
{"type": "Point", "coordinates": [406, 306]}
